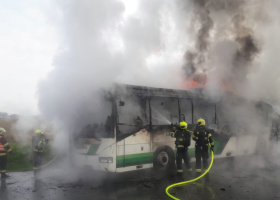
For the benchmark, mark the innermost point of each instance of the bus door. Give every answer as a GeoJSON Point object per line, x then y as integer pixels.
{"type": "Point", "coordinates": [164, 112]}
{"type": "Point", "coordinates": [133, 139]}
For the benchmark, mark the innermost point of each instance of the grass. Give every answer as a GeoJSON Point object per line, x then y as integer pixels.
{"type": "Point", "coordinates": [22, 157]}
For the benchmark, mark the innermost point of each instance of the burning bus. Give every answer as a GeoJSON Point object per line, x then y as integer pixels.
{"type": "Point", "coordinates": [135, 124]}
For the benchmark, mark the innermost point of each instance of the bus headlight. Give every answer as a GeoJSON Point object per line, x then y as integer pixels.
{"type": "Point", "coordinates": [106, 159]}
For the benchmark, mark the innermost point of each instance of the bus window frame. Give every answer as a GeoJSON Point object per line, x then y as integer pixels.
{"type": "Point", "coordinates": [118, 132]}
{"type": "Point", "coordinates": [151, 125]}
{"type": "Point", "coordinates": [112, 133]}
{"type": "Point", "coordinates": [176, 98]}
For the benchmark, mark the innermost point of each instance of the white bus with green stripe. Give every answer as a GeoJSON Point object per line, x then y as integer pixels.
{"type": "Point", "coordinates": [134, 123]}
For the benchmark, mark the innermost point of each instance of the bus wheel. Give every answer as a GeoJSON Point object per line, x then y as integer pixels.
{"type": "Point", "coordinates": [164, 159]}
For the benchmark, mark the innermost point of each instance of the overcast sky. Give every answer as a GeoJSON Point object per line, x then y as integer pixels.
{"type": "Point", "coordinates": [28, 43]}
{"type": "Point", "coordinates": [27, 46]}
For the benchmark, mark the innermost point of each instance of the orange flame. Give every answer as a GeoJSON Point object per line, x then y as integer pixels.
{"type": "Point", "coordinates": [195, 84]}
{"type": "Point", "coordinates": [199, 81]}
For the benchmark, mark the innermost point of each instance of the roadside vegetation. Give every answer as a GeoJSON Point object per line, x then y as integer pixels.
{"type": "Point", "coordinates": [22, 157]}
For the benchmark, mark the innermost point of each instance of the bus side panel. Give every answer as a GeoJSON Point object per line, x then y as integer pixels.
{"type": "Point", "coordinates": [133, 168]}
{"type": "Point", "coordinates": [164, 138]}
{"type": "Point", "coordinates": [224, 147]}
{"type": "Point", "coordinates": [110, 152]}
{"type": "Point", "coordinates": [137, 151]}
{"type": "Point", "coordinates": [236, 146]}
{"type": "Point", "coordinates": [246, 145]}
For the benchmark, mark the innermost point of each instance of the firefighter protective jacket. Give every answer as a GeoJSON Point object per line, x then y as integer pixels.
{"type": "Point", "coordinates": [203, 136]}
{"type": "Point", "coordinates": [4, 146]}
{"type": "Point", "coordinates": [183, 138]}
{"type": "Point", "coordinates": [38, 142]}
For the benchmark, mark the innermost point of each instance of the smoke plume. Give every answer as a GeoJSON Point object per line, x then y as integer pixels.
{"type": "Point", "coordinates": [101, 46]}
{"type": "Point", "coordinates": [227, 40]}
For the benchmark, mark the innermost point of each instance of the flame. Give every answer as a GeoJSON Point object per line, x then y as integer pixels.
{"type": "Point", "coordinates": [195, 84]}
{"type": "Point", "coordinates": [200, 82]}
{"type": "Point", "coordinates": [197, 81]}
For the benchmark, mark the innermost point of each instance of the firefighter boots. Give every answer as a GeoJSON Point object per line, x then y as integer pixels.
{"type": "Point", "coordinates": [4, 175]}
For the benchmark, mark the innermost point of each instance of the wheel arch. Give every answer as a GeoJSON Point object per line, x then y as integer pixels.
{"type": "Point", "coordinates": [171, 158]}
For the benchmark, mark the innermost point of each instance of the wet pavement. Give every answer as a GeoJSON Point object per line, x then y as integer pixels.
{"type": "Point", "coordinates": [246, 177]}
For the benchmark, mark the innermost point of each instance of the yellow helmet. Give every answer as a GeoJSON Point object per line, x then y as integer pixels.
{"type": "Point", "coordinates": [2, 131]}
{"type": "Point", "coordinates": [183, 125]}
{"type": "Point", "coordinates": [200, 122]}
{"type": "Point", "coordinates": [37, 132]}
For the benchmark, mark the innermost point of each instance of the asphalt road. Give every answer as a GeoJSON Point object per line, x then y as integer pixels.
{"type": "Point", "coordinates": [246, 177]}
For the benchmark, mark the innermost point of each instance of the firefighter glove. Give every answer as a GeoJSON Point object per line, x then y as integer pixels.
{"type": "Point", "coordinates": [212, 149]}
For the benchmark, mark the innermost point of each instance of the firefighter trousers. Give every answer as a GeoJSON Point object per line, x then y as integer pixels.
{"type": "Point", "coordinates": [201, 152]}
{"type": "Point", "coordinates": [37, 160]}
{"type": "Point", "coordinates": [3, 163]}
{"type": "Point", "coordinates": [182, 153]}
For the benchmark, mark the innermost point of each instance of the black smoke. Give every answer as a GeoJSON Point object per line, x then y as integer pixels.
{"type": "Point", "coordinates": [208, 15]}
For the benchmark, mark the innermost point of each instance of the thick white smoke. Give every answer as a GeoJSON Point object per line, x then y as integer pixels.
{"type": "Point", "coordinates": [100, 45]}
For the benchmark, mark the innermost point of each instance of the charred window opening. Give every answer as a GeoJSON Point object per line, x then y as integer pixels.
{"type": "Point", "coordinates": [186, 110]}
{"type": "Point", "coordinates": [102, 118]}
{"type": "Point", "coordinates": [133, 115]}
{"type": "Point", "coordinates": [205, 110]}
{"type": "Point", "coordinates": [164, 110]}
{"type": "Point", "coordinates": [222, 118]}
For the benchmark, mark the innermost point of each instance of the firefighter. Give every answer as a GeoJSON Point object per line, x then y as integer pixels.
{"type": "Point", "coordinates": [38, 143]}
{"type": "Point", "coordinates": [203, 138]}
{"type": "Point", "coordinates": [4, 148]}
{"type": "Point", "coordinates": [183, 139]}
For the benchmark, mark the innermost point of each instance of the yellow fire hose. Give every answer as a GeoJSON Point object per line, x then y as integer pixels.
{"type": "Point", "coordinates": [182, 183]}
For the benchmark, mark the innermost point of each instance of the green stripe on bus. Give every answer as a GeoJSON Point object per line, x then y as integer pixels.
{"type": "Point", "coordinates": [134, 159]}
{"type": "Point", "coordinates": [93, 149]}
{"type": "Point", "coordinates": [219, 145]}
{"type": "Point", "coordinates": [147, 158]}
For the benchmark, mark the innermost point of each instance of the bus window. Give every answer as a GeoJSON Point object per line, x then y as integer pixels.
{"type": "Point", "coordinates": [222, 117]}
{"type": "Point", "coordinates": [186, 110]}
{"type": "Point", "coordinates": [133, 113]}
{"type": "Point", "coordinates": [102, 125]}
{"type": "Point", "coordinates": [164, 111]}
{"type": "Point", "coordinates": [205, 110]}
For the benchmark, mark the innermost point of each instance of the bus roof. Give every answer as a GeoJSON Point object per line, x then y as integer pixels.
{"type": "Point", "coordinates": [159, 92]}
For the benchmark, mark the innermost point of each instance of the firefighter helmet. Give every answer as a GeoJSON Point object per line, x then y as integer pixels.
{"type": "Point", "coordinates": [38, 132]}
{"type": "Point", "coordinates": [2, 131]}
{"type": "Point", "coordinates": [183, 125]}
{"type": "Point", "coordinates": [200, 122]}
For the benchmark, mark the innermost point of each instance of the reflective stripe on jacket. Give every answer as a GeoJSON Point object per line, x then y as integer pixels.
{"type": "Point", "coordinates": [203, 136]}
{"type": "Point", "coordinates": [2, 148]}
{"type": "Point", "coordinates": [38, 142]}
{"type": "Point", "coordinates": [4, 145]}
{"type": "Point", "coordinates": [183, 138]}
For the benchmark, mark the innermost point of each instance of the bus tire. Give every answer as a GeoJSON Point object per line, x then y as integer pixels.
{"type": "Point", "coordinates": [164, 159]}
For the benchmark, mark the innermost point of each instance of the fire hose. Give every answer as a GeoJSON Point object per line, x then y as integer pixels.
{"type": "Point", "coordinates": [185, 182]}
{"type": "Point", "coordinates": [51, 160]}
